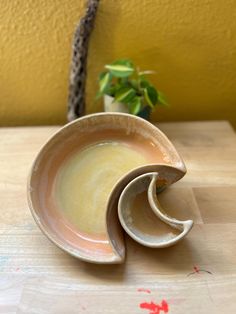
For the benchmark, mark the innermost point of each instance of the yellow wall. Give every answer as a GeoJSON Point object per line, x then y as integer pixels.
{"type": "Point", "coordinates": [190, 43]}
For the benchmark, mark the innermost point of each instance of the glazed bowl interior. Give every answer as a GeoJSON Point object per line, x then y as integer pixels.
{"type": "Point", "coordinates": [143, 218]}
{"type": "Point", "coordinates": [44, 199]}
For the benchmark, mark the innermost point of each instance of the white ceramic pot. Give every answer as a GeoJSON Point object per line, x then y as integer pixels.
{"type": "Point", "coordinates": [111, 106]}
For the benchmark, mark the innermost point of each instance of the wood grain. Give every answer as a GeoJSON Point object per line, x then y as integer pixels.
{"type": "Point", "coordinates": [37, 277]}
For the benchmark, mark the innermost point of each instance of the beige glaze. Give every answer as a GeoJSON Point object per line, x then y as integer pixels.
{"type": "Point", "coordinates": [133, 132]}
{"type": "Point", "coordinates": [142, 216]}
{"type": "Point", "coordinates": [85, 181]}
{"type": "Point", "coordinates": [142, 221]}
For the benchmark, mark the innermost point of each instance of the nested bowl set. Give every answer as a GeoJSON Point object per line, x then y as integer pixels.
{"type": "Point", "coordinates": [98, 177]}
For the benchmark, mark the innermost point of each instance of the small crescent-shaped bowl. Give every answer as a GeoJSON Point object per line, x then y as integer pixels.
{"type": "Point", "coordinates": [107, 247]}
{"type": "Point", "coordinates": [142, 217]}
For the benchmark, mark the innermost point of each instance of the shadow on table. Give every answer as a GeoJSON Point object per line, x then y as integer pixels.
{"type": "Point", "coordinates": [176, 260]}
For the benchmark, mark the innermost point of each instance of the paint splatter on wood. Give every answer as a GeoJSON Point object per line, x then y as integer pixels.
{"type": "Point", "coordinates": [144, 290]}
{"type": "Point", "coordinates": [155, 308]}
{"type": "Point", "coordinates": [197, 270]}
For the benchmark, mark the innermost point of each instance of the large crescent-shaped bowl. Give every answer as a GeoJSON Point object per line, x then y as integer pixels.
{"type": "Point", "coordinates": [109, 247]}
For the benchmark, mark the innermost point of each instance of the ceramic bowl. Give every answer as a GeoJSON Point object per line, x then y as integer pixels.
{"type": "Point", "coordinates": [142, 216]}
{"type": "Point", "coordinates": [107, 246]}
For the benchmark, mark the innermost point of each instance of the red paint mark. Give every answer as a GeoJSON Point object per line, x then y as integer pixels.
{"type": "Point", "coordinates": [196, 269]}
{"type": "Point", "coordinates": [155, 308]}
{"type": "Point", "coordinates": [17, 269]}
{"type": "Point", "coordinates": [144, 290]}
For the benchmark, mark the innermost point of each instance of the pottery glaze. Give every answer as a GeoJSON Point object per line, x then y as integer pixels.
{"type": "Point", "coordinates": [105, 244]}
{"type": "Point", "coordinates": [82, 186]}
{"type": "Point", "coordinates": [142, 216]}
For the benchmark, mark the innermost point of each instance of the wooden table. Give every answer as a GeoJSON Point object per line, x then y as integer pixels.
{"type": "Point", "coordinates": [196, 276]}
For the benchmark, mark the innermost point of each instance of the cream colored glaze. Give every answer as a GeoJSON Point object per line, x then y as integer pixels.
{"type": "Point", "coordinates": [85, 181]}
{"type": "Point", "coordinates": [143, 222]}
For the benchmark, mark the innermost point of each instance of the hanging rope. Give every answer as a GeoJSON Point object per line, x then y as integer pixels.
{"type": "Point", "coordinates": [76, 101]}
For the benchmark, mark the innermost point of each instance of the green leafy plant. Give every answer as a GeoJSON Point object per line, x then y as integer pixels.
{"type": "Point", "coordinates": [123, 81]}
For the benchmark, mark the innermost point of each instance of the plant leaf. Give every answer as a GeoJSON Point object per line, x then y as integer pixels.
{"type": "Point", "coordinates": [135, 105]}
{"type": "Point", "coordinates": [151, 95]}
{"type": "Point", "coordinates": [144, 83]}
{"type": "Point", "coordinates": [111, 90]}
{"type": "Point", "coordinates": [104, 81]}
{"type": "Point", "coordinates": [126, 62]}
{"type": "Point", "coordinates": [120, 68]}
{"type": "Point", "coordinates": [134, 84]}
{"type": "Point", "coordinates": [161, 99]}
{"type": "Point", "coordinates": [125, 94]}
{"type": "Point", "coordinates": [146, 72]}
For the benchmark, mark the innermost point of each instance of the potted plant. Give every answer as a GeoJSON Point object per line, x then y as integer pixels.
{"type": "Point", "coordinates": [126, 89]}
